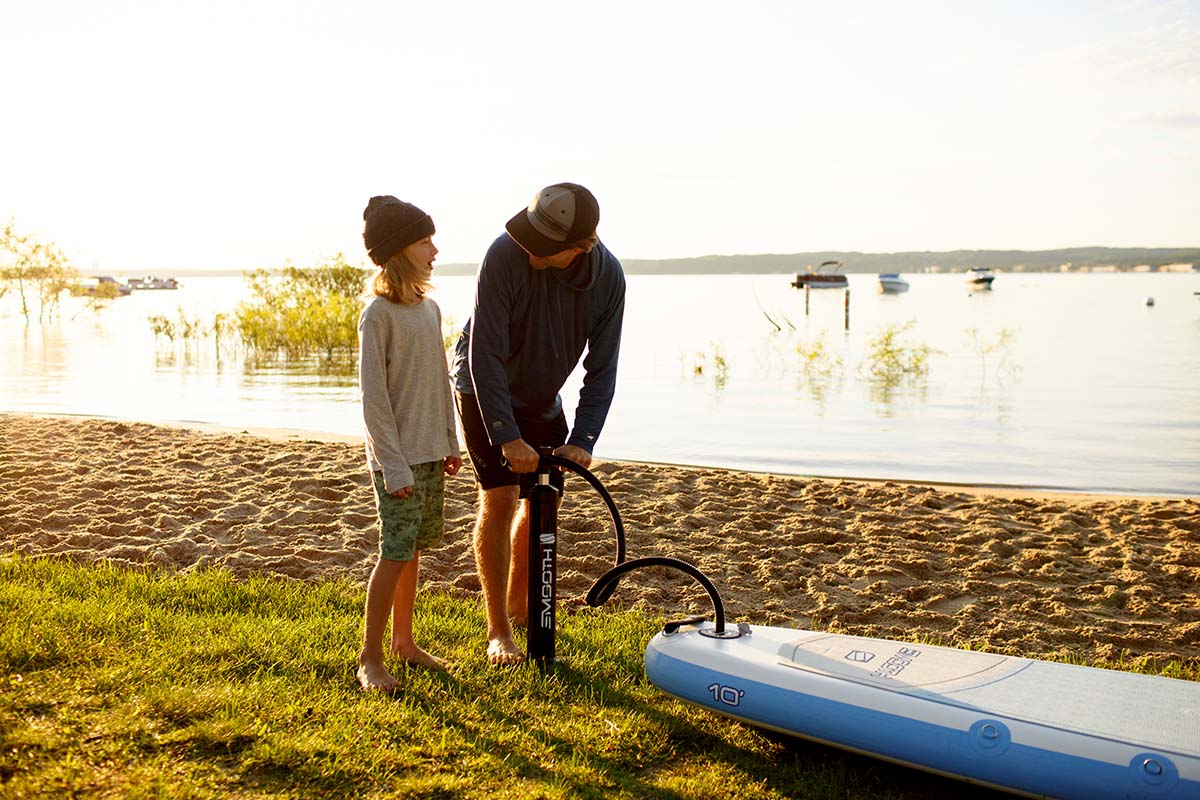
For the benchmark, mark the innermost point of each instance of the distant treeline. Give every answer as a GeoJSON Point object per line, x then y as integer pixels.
{"type": "Point", "coordinates": [919, 261]}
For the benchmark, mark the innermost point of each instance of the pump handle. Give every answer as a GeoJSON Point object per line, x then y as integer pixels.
{"type": "Point", "coordinates": [548, 460]}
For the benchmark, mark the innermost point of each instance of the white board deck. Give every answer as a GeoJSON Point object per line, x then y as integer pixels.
{"type": "Point", "coordinates": [1033, 727]}
{"type": "Point", "coordinates": [1159, 712]}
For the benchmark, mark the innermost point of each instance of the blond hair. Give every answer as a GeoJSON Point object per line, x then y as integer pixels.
{"type": "Point", "coordinates": [400, 280]}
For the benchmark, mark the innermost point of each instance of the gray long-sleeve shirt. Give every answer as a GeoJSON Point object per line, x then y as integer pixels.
{"type": "Point", "coordinates": [407, 404]}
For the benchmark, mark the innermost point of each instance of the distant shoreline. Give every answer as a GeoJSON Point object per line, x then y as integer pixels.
{"type": "Point", "coordinates": [1072, 260]}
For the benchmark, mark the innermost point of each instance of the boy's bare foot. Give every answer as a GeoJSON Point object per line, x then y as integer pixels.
{"type": "Point", "coordinates": [374, 677]}
{"type": "Point", "coordinates": [419, 658]}
{"type": "Point", "coordinates": [503, 651]}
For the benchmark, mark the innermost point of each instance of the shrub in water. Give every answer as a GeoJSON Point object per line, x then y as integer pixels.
{"type": "Point", "coordinates": [986, 347]}
{"type": "Point", "coordinates": [817, 360]}
{"type": "Point", "coordinates": [35, 270]}
{"type": "Point", "coordinates": [891, 360]}
{"type": "Point", "coordinates": [299, 312]}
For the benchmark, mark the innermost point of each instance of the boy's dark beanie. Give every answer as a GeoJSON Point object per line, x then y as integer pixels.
{"type": "Point", "coordinates": [392, 225]}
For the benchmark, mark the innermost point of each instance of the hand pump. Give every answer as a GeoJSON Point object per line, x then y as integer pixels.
{"type": "Point", "coordinates": [543, 500]}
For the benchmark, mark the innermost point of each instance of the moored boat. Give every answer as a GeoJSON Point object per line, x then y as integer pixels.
{"type": "Point", "coordinates": [980, 277]}
{"type": "Point", "coordinates": [153, 282]}
{"type": "Point", "coordinates": [103, 285]}
{"type": "Point", "coordinates": [892, 283]}
{"type": "Point", "coordinates": [821, 279]}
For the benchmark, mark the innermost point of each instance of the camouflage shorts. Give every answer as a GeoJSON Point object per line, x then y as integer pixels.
{"type": "Point", "coordinates": [406, 526]}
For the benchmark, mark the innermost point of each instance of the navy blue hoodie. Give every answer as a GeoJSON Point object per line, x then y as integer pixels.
{"type": "Point", "coordinates": [527, 332]}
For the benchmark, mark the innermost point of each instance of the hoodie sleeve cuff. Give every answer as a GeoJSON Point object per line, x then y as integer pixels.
{"type": "Point", "coordinates": [585, 442]}
{"type": "Point", "coordinates": [396, 478]}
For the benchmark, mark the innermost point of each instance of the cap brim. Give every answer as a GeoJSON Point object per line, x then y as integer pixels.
{"type": "Point", "coordinates": [524, 234]}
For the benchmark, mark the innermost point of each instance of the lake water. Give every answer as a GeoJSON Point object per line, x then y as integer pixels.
{"type": "Point", "coordinates": [1062, 381]}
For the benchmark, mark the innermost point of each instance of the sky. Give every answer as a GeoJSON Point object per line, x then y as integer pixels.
{"type": "Point", "coordinates": [237, 134]}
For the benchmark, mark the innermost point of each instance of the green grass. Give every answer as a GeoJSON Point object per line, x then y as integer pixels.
{"type": "Point", "coordinates": [150, 684]}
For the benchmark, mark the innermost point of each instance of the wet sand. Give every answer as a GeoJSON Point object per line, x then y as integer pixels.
{"type": "Point", "coordinates": [1086, 576]}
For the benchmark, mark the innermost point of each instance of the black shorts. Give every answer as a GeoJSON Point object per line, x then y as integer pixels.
{"type": "Point", "coordinates": [490, 471]}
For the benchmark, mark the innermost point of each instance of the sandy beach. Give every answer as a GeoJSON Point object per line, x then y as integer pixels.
{"type": "Point", "coordinates": [1092, 577]}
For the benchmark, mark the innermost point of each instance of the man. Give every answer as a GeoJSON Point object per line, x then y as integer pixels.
{"type": "Point", "coordinates": [546, 290]}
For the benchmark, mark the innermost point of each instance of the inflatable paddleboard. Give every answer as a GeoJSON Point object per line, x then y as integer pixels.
{"type": "Point", "coordinates": [1031, 727]}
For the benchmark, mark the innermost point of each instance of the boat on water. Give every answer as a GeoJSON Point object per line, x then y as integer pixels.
{"type": "Point", "coordinates": [98, 285]}
{"type": "Point", "coordinates": [822, 278]}
{"type": "Point", "coordinates": [892, 283]}
{"type": "Point", "coordinates": [153, 282]}
{"type": "Point", "coordinates": [980, 277]}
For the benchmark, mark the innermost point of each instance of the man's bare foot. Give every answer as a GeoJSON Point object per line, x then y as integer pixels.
{"type": "Point", "coordinates": [504, 651]}
{"type": "Point", "coordinates": [518, 608]}
{"type": "Point", "coordinates": [517, 603]}
{"type": "Point", "coordinates": [418, 657]}
{"type": "Point", "coordinates": [374, 677]}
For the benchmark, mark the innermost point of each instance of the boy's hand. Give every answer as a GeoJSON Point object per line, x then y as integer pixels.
{"type": "Point", "coordinates": [452, 464]}
{"type": "Point", "coordinates": [403, 494]}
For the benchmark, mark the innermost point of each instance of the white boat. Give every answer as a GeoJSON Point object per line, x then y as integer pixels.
{"type": "Point", "coordinates": [980, 277]}
{"type": "Point", "coordinates": [152, 282]}
{"type": "Point", "coordinates": [892, 283]}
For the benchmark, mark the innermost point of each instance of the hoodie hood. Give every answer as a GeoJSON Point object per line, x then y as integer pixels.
{"type": "Point", "coordinates": [582, 275]}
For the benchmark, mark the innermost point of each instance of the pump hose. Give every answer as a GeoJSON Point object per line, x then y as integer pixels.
{"type": "Point", "coordinates": [618, 526]}
{"type": "Point", "coordinates": [603, 588]}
